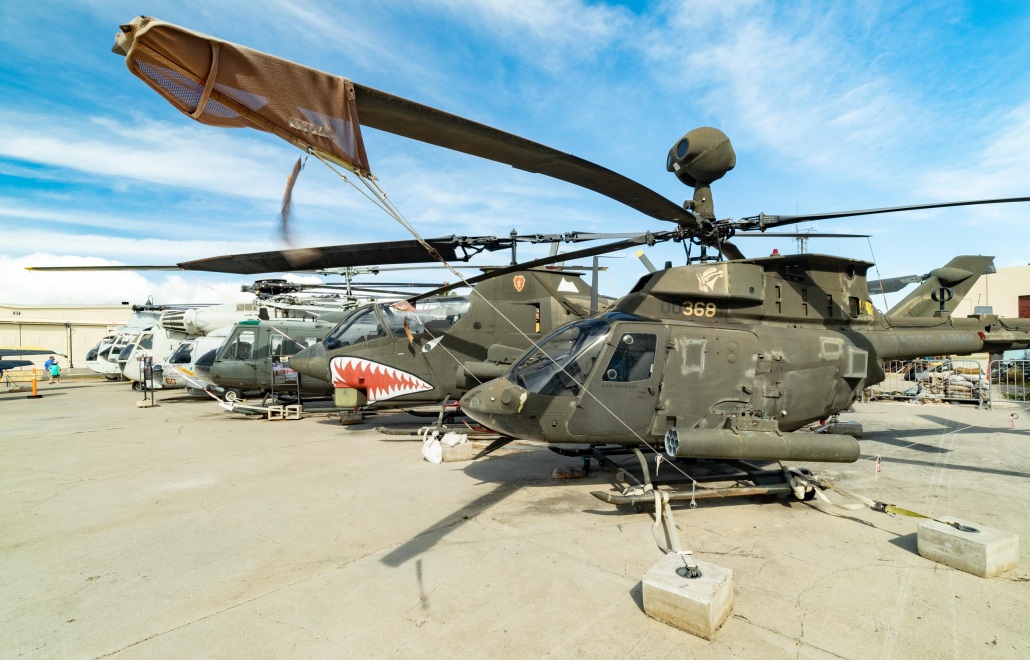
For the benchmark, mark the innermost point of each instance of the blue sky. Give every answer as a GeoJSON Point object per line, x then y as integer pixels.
{"type": "Point", "coordinates": [830, 106]}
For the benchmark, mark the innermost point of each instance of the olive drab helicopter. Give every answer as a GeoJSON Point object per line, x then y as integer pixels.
{"type": "Point", "coordinates": [385, 354]}
{"type": "Point", "coordinates": [725, 357]}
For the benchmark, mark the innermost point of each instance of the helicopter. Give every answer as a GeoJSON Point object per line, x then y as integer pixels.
{"type": "Point", "coordinates": [253, 357]}
{"type": "Point", "coordinates": [386, 355]}
{"type": "Point", "coordinates": [724, 358]}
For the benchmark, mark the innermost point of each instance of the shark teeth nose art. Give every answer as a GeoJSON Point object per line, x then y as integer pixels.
{"type": "Point", "coordinates": [379, 381]}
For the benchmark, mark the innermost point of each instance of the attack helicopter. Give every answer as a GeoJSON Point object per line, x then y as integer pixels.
{"type": "Point", "coordinates": [725, 357]}
{"type": "Point", "coordinates": [388, 355]}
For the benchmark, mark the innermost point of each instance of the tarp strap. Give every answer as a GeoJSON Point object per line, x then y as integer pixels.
{"type": "Point", "coordinates": [861, 501]}
{"type": "Point", "coordinates": [212, 74]}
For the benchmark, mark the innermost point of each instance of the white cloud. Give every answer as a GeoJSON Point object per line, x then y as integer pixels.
{"type": "Point", "coordinates": [791, 82]}
{"type": "Point", "coordinates": [82, 287]}
{"type": "Point", "coordinates": [550, 33]}
{"type": "Point", "coordinates": [998, 168]}
{"type": "Point", "coordinates": [128, 251]}
{"type": "Point", "coordinates": [182, 155]}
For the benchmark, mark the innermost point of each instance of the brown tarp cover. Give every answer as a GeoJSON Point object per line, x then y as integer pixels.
{"type": "Point", "coordinates": [224, 84]}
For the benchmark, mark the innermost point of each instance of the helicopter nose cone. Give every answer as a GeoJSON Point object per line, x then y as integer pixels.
{"type": "Point", "coordinates": [312, 362]}
{"type": "Point", "coordinates": [499, 405]}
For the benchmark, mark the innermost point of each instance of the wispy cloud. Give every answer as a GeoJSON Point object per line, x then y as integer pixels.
{"type": "Point", "coordinates": [111, 288]}
{"type": "Point", "coordinates": [786, 79]}
{"type": "Point", "coordinates": [996, 168]}
{"type": "Point", "coordinates": [183, 155]}
{"type": "Point", "coordinates": [553, 34]}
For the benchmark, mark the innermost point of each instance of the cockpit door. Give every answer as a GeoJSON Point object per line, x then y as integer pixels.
{"type": "Point", "coordinates": [618, 402]}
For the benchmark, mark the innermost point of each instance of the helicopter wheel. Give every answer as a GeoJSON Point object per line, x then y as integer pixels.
{"type": "Point", "coordinates": [232, 394]}
{"type": "Point", "coordinates": [137, 386]}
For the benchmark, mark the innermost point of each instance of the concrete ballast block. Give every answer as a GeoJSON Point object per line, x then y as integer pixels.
{"type": "Point", "coordinates": [986, 552]}
{"type": "Point", "coordinates": [457, 453]}
{"type": "Point", "coordinates": [697, 605]}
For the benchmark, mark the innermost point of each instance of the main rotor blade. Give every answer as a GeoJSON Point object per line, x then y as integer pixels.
{"type": "Point", "coordinates": [343, 285]}
{"type": "Point", "coordinates": [291, 181]}
{"type": "Point", "coordinates": [334, 256]}
{"type": "Point", "coordinates": [773, 234]}
{"type": "Point", "coordinates": [586, 252]}
{"type": "Point", "coordinates": [412, 120]}
{"type": "Point", "coordinates": [392, 292]}
{"type": "Point", "coordinates": [362, 254]}
{"type": "Point", "coordinates": [647, 262]}
{"type": "Point", "coordinates": [762, 220]}
{"type": "Point", "coordinates": [730, 251]}
{"type": "Point", "coordinates": [100, 268]}
{"type": "Point", "coordinates": [224, 84]}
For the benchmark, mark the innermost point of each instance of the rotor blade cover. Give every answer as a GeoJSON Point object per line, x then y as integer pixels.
{"type": "Point", "coordinates": [220, 83]}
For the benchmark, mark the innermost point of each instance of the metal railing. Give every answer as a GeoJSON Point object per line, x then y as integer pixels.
{"type": "Point", "coordinates": [944, 379]}
{"type": "Point", "coordinates": [1010, 380]}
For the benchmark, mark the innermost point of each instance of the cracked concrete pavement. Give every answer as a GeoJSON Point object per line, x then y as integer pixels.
{"type": "Point", "coordinates": [185, 531]}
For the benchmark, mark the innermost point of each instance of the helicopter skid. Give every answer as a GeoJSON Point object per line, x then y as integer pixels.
{"type": "Point", "coordinates": [394, 430]}
{"type": "Point", "coordinates": [640, 499]}
{"type": "Point", "coordinates": [687, 484]}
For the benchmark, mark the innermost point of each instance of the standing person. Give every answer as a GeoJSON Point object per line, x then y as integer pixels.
{"type": "Point", "coordinates": [49, 363]}
{"type": "Point", "coordinates": [55, 373]}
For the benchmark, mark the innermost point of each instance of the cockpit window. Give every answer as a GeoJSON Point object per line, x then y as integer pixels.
{"type": "Point", "coordinates": [429, 318]}
{"type": "Point", "coordinates": [239, 347]}
{"type": "Point", "coordinates": [182, 355]}
{"type": "Point", "coordinates": [280, 346]}
{"type": "Point", "coordinates": [561, 362]}
{"type": "Point", "coordinates": [633, 359]}
{"type": "Point", "coordinates": [360, 326]}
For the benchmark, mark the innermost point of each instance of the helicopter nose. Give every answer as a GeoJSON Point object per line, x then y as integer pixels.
{"type": "Point", "coordinates": [497, 405]}
{"type": "Point", "coordinates": [312, 362]}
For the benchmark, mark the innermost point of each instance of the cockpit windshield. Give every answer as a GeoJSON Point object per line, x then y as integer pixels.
{"type": "Point", "coordinates": [183, 354]}
{"type": "Point", "coordinates": [362, 325]}
{"type": "Point", "coordinates": [430, 318]}
{"type": "Point", "coordinates": [561, 362]}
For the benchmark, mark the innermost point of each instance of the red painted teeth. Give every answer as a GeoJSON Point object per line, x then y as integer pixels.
{"type": "Point", "coordinates": [379, 381]}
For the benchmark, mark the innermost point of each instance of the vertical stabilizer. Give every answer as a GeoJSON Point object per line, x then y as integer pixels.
{"type": "Point", "coordinates": [957, 277]}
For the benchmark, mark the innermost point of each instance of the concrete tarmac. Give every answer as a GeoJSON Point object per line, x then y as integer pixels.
{"type": "Point", "coordinates": [184, 531]}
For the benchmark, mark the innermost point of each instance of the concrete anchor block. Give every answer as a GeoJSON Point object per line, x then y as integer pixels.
{"type": "Point", "coordinates": [697, 605]}
{"type": "Point", "coordinates": [275, 412]}
{"type": "Point", "coordinates": [854, 429]}
{"type": "Point", "coordinates": [986, 552]}
{"type": "Point", "coordinates": [294, 411]}
{"type": "Point", "coordinates": [458, 453]}
{"type": "Point", "coordinates": [146, 403]}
